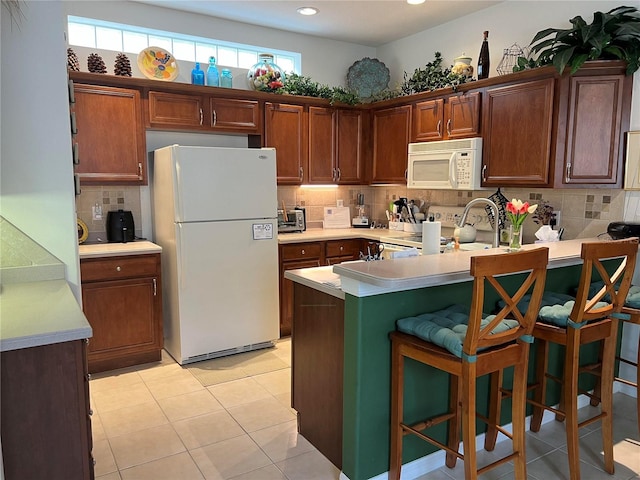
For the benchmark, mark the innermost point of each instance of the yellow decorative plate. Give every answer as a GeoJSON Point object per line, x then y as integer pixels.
{"type": "Point", "coordinates": [157, 64]}
{"type": "Point", "coordinates": [83, 231]}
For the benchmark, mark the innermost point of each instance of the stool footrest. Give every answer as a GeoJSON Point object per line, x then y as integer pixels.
{"type": "Point", "coordinates": [424, 424]}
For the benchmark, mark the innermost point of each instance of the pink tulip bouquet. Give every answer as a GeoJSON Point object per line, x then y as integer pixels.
{"type": "Point", "coordinates": [517, 212]}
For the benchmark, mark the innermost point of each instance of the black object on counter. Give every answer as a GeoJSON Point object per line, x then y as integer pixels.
{"type": "Point", "coordinates": [619, 230]}
{"type": "Point", "coordinates": [120, 228]}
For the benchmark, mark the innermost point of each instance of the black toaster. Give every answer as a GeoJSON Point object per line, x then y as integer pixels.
{"type": "Point", "coordinates": [618, 230]}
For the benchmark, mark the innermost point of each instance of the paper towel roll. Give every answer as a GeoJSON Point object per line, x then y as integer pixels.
{"type": "Point", "coordinates": [431, 237]}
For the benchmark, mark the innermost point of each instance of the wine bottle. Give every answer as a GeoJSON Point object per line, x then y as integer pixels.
{"type": "Point", "coordinates": [483, 59]}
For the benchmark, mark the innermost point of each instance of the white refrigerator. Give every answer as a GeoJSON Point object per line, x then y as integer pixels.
{"type": "Point", "coordinates": [215, 216]}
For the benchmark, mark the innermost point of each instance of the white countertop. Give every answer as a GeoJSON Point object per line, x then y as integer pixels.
{"type": "Point", "coordinates": [363, 279]}
{"type": "Point", "coordinates": [40, 313]}
{"type": "Point", "coordinates": [117, 249]}
{"type": "Point", "coordinates": [322, 234]}
{"type": "Point", "coordinates": [319, 278]}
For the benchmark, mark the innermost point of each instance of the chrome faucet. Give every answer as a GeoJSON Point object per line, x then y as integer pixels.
{"type": "Point", "coordinates": [496, 215]}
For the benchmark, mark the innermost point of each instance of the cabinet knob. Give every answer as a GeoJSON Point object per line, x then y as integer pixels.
{"type": "Point", "coordinates": [90, 411]}
{"type": "Point", "coordinates": [118, 268]}
{"type": "Point", "coordinates": [303, 252]}
{"type": "Point", "coordinates": [341, 248]}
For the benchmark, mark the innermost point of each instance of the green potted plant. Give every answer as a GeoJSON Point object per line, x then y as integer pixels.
{"type": "Point", "coordinates": [614, 35]}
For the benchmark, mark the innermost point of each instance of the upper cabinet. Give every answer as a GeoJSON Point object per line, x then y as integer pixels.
{"type": "Point", "coordinates": [336, 145]}
{"type": "Point", "coordinates": [454, 116]}
{"type": "Point", "coordinates": [110, 135]}
{"type": "Point", "coordinates": [592, 119]}
{"type": "Point", "coordinates": [285, 129]}
{"type": "Point", "coordinates": [541, 129]}
{"type": "Point", "coordinates": [203, 113]}
{"type": "Point", "coordinates": [517, 124]}
{"type": "Point", "coordinates": [391, 134]}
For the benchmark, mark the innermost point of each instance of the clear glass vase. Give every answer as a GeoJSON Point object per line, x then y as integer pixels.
{"type": "Point", "coordinates": [515, 242]}
{"type": "Point", "coordinates": [265, 76]}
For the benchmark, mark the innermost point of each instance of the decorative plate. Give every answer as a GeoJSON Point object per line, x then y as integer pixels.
{"type": "Point", "coordinates": [157, 64]}
{"type": "Point", "coordinates": [83, 231]}
{"type": "Point", "coordinates": [368, 77]}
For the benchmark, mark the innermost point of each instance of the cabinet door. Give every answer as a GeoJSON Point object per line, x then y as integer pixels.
{"type": "Point", "coordinates": [322, 147]}
{"type": "Point", "coordinates": [285, 130]}
{"type": "Point", "coordinates": [517, 121]}
{"type": "Point", "coordinates": [593, 135]}
{"type": "Point", "coordinates": [286, 293]}
{"type": "Point", "coordinates": [462, 115]}
{"type": "Point", "coordinates": [124, 316]}
{"type": "Point", "coordinates": [233, 115]}
{"type": "Point", "coordinates": [349, 145]}
{"type": "Point", "coordinates": [176, 111]}
{"type": "Point", "coordinates": [110, 138]}
{"type": "Point", "coordinates": [427, 120]}
{"type": "Point", "coordinates": [391, 132]}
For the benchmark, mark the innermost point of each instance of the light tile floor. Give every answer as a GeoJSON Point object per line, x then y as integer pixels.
{"type": "Point", "coordinates": [158, 422]}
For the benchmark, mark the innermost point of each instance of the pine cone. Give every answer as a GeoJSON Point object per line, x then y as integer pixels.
{"type": "Point", "coordinates": [122, 66]}
{"type": "Point", "coordinates": [72, 61]}
{"type": "Point", "coordinates": [96, 64]}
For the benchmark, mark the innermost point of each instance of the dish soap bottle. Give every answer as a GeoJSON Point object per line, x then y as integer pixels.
{"type": "Point", "coordinates": [197, 75]}
{"type": "Point", "coordinates": [483, 59]}
{"type": "Point", "coordinates": [213, 78]}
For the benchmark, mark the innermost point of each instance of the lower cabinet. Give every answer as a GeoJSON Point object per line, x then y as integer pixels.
{"type": "Point", "coordinates": [122, 300]}
{"type": "Point", "coordinates": [45, 415]}
{"type": "Point", "coordinates": [317, 359]}
{"type": "Point", "coordinates": [311, 254]}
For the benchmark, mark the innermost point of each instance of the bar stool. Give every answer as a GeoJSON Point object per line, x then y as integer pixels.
{"type": "Point", "coordinates": [586, 320]}
{"type": "Point", "coordinates": [469, 345]}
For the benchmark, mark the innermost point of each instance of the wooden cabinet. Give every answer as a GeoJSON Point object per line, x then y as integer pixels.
{"type": "Point", "coordinates": [317, 362]}
{"type": "Point", "coordinates": [545, 130]}
{"type": "Point", "coordinates": [292, 256]}
{"type": "Point", "coordinates": [46, 425]}
{"type": "Point", "coordinates": [203, 113]}
{"type": "Point", "coordinates": [335, 146]}
{"type": "Point", "coordinates": [456, 116]}
{"type": "Point", "coordinates": [517, 133]}
{"type": "Point", "coordinates": [285, 129]}
{"type": "Point", "coordinates": [110, 135]}
{"type": "Point", "coordinates": [337, 251]}
{"type": "Point", "coordinates": [122, 300]}
{"type": "Point", "coordinates": [593, 116]}
{"type": "Point", "coordinates": [391, 133]}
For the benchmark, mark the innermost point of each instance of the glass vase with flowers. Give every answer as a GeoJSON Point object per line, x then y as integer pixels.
{"type": "Point", "coordinates": [517, 212]}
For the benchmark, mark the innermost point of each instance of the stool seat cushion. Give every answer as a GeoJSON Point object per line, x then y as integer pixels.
{"type": "Point", "coordinates": [447, 328]}
{"type": "Point", "coordinates": [633, 297]}
{"type": "Point", "coordinates": [548, 298]}
{"type": "Point", "coordinates": [559, 314]}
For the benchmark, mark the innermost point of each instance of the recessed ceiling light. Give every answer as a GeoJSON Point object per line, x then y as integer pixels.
{"type": "Point", "coordinates": [415, 2]}
{"type": "Point", "coordinates": [308, 10]}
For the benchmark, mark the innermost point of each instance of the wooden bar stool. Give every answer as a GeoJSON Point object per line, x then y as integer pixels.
{"type": "Point", "coordinates": [468, 346]}
{"type": "Point", "coordinates": [590, 318]}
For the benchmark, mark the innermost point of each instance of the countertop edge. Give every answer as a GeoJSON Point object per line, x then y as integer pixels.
{"type": "Point", "coordinates": [118, 249]}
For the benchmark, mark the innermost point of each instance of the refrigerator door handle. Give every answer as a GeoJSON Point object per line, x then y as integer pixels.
{"type": "Point", "coordinates": [183, 260]}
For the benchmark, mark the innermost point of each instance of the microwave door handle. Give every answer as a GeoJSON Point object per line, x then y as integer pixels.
{"type": "Point", "coordinates": [453, 171]}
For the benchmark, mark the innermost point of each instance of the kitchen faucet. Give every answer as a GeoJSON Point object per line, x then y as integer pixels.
{"type": "Point", "coordinates": [496, 215]}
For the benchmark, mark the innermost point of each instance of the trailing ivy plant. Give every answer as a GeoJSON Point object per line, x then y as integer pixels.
{"type": "Point", "coordinates": [295, 84]}
{"type": "Point", "coordinates": [614, 35]}
{"type": "Point", "coordinates": [432, 77]}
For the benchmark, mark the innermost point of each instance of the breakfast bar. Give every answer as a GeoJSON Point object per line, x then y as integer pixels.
{"type": "Point", "coordinates": [358, 304]}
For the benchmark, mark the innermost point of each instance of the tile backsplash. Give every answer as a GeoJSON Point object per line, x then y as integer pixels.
{"type": "Point", "coordinates": [583, 212]}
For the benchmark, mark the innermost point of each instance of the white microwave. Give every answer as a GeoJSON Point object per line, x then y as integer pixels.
{"type": "Point", "coordinates": [445, 165]}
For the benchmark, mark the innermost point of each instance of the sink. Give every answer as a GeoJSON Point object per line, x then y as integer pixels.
{"type": "Point", "coordinates": [475, 246]}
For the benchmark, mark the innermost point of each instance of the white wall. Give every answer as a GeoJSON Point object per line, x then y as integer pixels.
{"type": "Point", "coordinates": [325, 61]}
{"type": "Point", "coordinates": [37, 172]}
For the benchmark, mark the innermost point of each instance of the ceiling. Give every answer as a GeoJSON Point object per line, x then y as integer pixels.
{"type": "Point", "coordinates": [370, 23]}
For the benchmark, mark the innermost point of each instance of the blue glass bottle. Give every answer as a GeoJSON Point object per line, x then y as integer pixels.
{"type": "Point", "coordinates": [226, 79]}
{"type": "Point", "coordinates": [213, 77]}
{"type": "Point", "coordinates": [197, 75]}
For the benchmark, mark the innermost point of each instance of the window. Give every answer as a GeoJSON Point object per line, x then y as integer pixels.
{"type": "Point", "coordinates": [91, 33]}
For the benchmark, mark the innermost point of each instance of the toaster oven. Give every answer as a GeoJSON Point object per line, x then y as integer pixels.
{"type": "Point", "coordinates": [293, 220]}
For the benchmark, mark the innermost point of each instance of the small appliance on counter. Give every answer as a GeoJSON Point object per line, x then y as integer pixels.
{"type": "Point", "coordinates": [120, 228]}
{"type": "Point", "coordinates": [619, 230]}
{"type": "Point", "coordinates": [292, 220]}
{"type": "Point", "coordinates": [361, 221]}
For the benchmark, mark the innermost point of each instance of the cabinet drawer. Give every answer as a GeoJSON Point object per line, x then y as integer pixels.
{"type": "Point", "coordinates": [300, 251]}
{"type": "Point", "coordinates": [118, 267]}
{"type": "Point", "coordinates": [340, 248]}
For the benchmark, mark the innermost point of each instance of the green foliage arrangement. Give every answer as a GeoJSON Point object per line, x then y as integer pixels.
{"type": "Point", "coordinates": [614, 35]}
{"type": "Point", "coordinates": [300, 85]}
{"type": "Point", "coordinates": [432, 77]}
